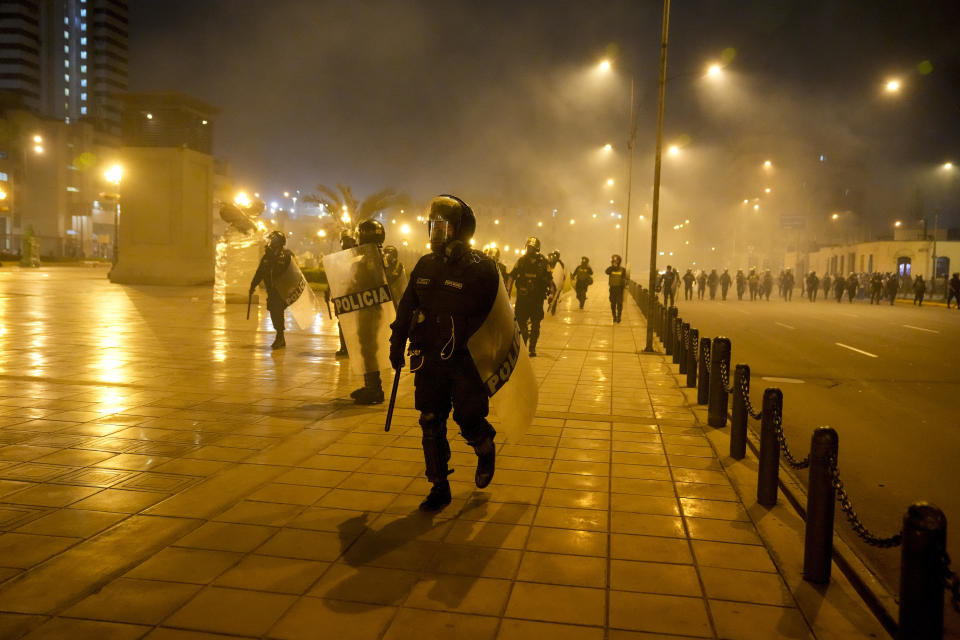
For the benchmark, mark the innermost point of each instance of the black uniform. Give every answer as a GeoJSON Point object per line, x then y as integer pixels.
{"type": "Point", "coordinates": [273, 264]}
{"type": "Point", "coordinates": [618, 282]}
{"type": "Point", "coordinates": [534, 281]}
{"type": "Point", "coordinates": [451, 295]}
{"type": "Point", "coordinates": [669, 282]}
{"type": "Point", "coordinates": [876, 288]}
{"type": "Point", "coordinates": [788, 285]}
{"type": "Point", "coordinates": [725, 281]}
{"type": "Point", "coordinates": [712, 281]}
{"type": "Point", "coordinates": [813, 285]}
{"type": "Point", "coordinates": [688, 279]}
{"type": "Point", "coordinates": [582, 279]}
{"type": "Point", "coordinates": [953, 291]}
{"type": "Point", "coordinates": [741, 284]}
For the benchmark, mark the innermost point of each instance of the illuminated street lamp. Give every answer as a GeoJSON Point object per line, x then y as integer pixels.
{"type": "Point", "coordinates": [892, 86]}
{"type": "Point", "coordinates": [609, 182]}
{"type": "Point", "coordinates": [242, 199]}
{"type": "Point", "coordinates": [673, 150]}
{"type": "Point", "coordinates": [835, 216]}
{"type": "Point", "coordinates": [767, 164]}
{"type": "Point", "coordinates": [714, 71]}
{"type": "Point", "coordinates": [948, 166]}
{"type": "Point", "coordinates": [897, 224]}
{"type": "Point", "coordinates": [604, 66]}
{"type": "Point", "coordinates": [113, 175]}
{"type": "Point", "coordinates": [608, 147]}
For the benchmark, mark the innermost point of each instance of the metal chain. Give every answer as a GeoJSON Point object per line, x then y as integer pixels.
{"type": "Point", "coordinates": [951, 583]}
{"type": "Point", "coordinates": [847, 507]}
{"type": "Point", "coordinates": [793, 462]}
{"type": "Point", "coordinates": [725, 376]}
{"type": "Point", "coordinates": [745, 392]}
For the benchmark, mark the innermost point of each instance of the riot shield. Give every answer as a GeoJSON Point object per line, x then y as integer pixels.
{"type": "Point", "coordinates": [364, 305]}
{"type": "Point", "coordinates": [500, 356]}
{"type": "Point", "coordinates": [297, 295]}
{"type": "Point", "coordinates": [398, 285]}
{"type": "Point", "coordinates": [559, 280]}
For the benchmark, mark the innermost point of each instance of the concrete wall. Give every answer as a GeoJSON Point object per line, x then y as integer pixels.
{"type": "Point", "coordinates": [879, 256]}
{"type": "Point", "coordinates": [166, 234]}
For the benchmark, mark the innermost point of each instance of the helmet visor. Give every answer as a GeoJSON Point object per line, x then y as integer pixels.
{"type": "Point", "coordinates": [441, 231]}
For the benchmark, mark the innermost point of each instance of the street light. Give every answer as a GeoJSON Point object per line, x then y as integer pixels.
{"type": "Point", "coordinates": [113, 175]}
{"type": "Point", "coordinates": [609, 182]}
{"type": "Point", "coordinates": [604, 66]}
{"type": "Point", "coordinates": [767, 164]}
{"type": "Point", "coordinates": [673, 150]}
{"type": "Point", "coordinates": [608, 147]}
{"type": "Point", "coordinates": [835, 216]}
{"type": "Point", "coordinates": [898, 224]}
{"type": "Point", "coordinates": [892, 85]}
{"type": "Point", "coordinates": [714, 71]}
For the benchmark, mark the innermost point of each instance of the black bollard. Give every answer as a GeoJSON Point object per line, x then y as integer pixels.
{"type": "Point", "coordinates": [668, 344]}
{"type": "Point", "coordinates": [684, 341]}
{"type": "Point", "coordinates": [921, 572]}
{"type": "Point", "coordinates": [703, 384]}
{"type": "Point", "coordinates": [675, 338]}
{"type": "Point", "coordinates": [821, 497]}
{"type": "Point", "coordinates": [719, 357]}
{"type": "Point", "coordinates": [738, 416]}
{"type": "Point", "coordinates": [693, 339]}
{"type": "Point", "coordinates": [663, 323]}
{"type": "Point", "coordinates": [769, 464]}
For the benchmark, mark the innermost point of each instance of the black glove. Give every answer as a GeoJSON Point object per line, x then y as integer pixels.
{"type": "Point", "coordinates": [396, 355]}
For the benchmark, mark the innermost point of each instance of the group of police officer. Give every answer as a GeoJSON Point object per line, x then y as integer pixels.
{"type": "Point", "coordinates": [451, 291]}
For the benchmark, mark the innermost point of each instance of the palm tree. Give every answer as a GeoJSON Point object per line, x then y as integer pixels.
{"type": "Point", "coordinates": [339, 201]}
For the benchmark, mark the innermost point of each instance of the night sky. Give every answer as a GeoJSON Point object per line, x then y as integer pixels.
{"type": "Point", "coordinates": [500, 101]}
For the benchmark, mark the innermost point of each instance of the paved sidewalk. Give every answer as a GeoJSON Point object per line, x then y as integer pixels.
{"type": "Point", "coordinates": [162, 473]}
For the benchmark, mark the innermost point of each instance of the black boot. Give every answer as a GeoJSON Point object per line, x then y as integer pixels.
{"type": "Point", "coordinates": [533, 348]}
{"type": "Point", "coordinates": [342, 351]}
{"type": "Point", "coordinates": [372, 390]}
{"type": "Point", "coordinates": [486, 462]}
{"type": "Point", "coordinates": [279, 342]}
{"type": "Point", "coordinates": [438, 498]}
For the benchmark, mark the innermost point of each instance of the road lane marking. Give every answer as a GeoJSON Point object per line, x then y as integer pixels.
{"type": "Point", "coordinates": [866, 353]}
{"type": "Point", "coordinates": [785, 380]}
{"type": "Point", "coordinates": [910, 326]}
{"type": "Point", "coordinates": [784, 325]}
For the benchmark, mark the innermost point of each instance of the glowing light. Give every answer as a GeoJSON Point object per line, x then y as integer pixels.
{"type": "Point", "coordinates": [898, 224]}
{"type": "Point", "coordinates": [892, 86]}
{"type": "Point", "coordinates": [686, 222]}
{"type": "Point", "coordinates": [203, 122]}
{"type": "Point", "coordinates": [756, 207]}
{"type": "Point", "coordinates": [641, 217]}
{"type": "Point", "coordinates": [405, 229]}
{"type": "Point", "coordinates": [673, 150]}
{"type": "Point", "coordinates": [676, 227]}
{"type": "Point", "coordinates": [286, 194]}
{"type": "Point", "coordinates": [767, 164]}
{"type": "Point", "coordinates": [322, 233]}
{"type": "Point", "coordinates": [113, 174]}
{"type": "Point", "coordinates": [497, 221]}
{"type": "Point", "coordinates": [539, 224]}
{"type": "Point", "coordinates": [256, 195]}
{"type": "Point", "coordinates": [835, 216]}
{"type": "Point", "coordinates": [345, 217]}
{"type": "Point", "coordinates": [149, 116]}
{"type": "Point", "coordinates": [948, 165]}
{"type": "Point", "coordinates": [472, 242]}
{"type": "Point", "coordinates": [242, 199]}
{"type": "Point", "coordinates": [618, 225]}
{"type": "Point", "coordinates": [404, 243]}
{"type": "Point", "coordinates": [611, 202]}
{"type": "Point", "coordinates": [506, 247]}
{"type": "Point", "coordinates": [394, 221]}
{"type": "Point", "coordinates": [767, 190]}
{"type": "Point", "coordinates": [746, 201]}
{"type": "Point", "coordinates": [608, 147]}
{"type": "Point", "coordinates": [38, 139]}
{"type": "Point", "coordinates": [609, 182]}
{"type": "Point", "coordinates": [714, 71]}
{"type": "Point", "coordinates": [38, 148]}
{"type": "Point", "coordinates": [713, 248]}
{"type": "Point", "coordinates": [3, 194]}
{"type": "Point", "coordinates": [571, 221]}
{"type": "Point", "coordinates": [594, 215]}
{"type": "Point", "coordinates": [604, 66]}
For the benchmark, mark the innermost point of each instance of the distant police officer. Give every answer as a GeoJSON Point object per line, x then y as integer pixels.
{"type": "Point", "coordinates": [953, 291]}
{"type": "Point", "coordinates": [839, 287]}
{"type": "Point", "coordinates": [892, 285]}
{"type": "Point", "coordinates": [701, 284]}
{"type": "Point", "coordinates": [582, 279]}
{"type": "Point", "coordinates": [396, 275]}
{"type": "Point", "coordinates": [813, 285]}
{"type": "Point", "coordinates": [688, 280]}
{"type": "Point", "coordinates": [788, 284]}
{"type": "Point", "coordinates": [712, 281]}
{"type": "Point", "coordinates": [617, 276]}
{"type": "Point", "coordinates": [274, 263]}
{"type": "Point", "coordinates": [370, 231]}
{"type": "Point", "coordinates": [451, 291]}
{"type": "Point", "coordinates": [668, 282]}
{"type": "Point", "coordinates": [725, 281]}
{"type": "Point", "coordinates": [494, 254]}
{"type": "Point", "coordinates": [741, 284]}
{"type": "Point", "coordinates": [534, 282]}
{"type": "Point", "coordinates": [853, 285]}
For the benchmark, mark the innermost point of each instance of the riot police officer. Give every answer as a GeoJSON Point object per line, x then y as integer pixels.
{"type": "Point", "coordinates": [688, 280]}
{"type": "Point", "coordinates": [274, 263]}
{"type": "Point", "coordinates": [712, 281]}
{"type": "Point", "coordinates": [553, 259]}
{"type": "Point", "coordinates": [494, 254]}
{"type": "Point", "coordinates": [788, 284]}
{"type": "Point", "coordinates": [582, 279]}
{"type": "Point", "coordinates": [725, 281]}
{"type": "Point", "coordinates": [741, 284]}
{"type": "Point", "coordinates": [452, 289]}
{"type": "Point", "coordinates": [396, 274]}
{"type": "Point", "coordinates": [369, 231]}
{"type": "Point", "coordinates": [617, 276]}
{"type": "Point", "coordinates": [534, 282]}
{"type": "Point", "coordinates": [347, 241]}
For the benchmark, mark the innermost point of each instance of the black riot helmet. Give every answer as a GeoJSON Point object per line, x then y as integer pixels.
{"type": "Point", "coordinates": [390, 256]}
{"type": "Point", "coordinates": [554, 256]}
{"type": "Point", "coordinates": [494, 254]}
{"type": "Point", "coordinates": [532, 245]}
{"type": "Point", "coordinates": [615, 259]}
{"type": "Point", "coordinates": [370, 231]}
{"type": "Point", "coordinates": [450, 219]}
{"type": "Point", "coordinates": [584, 260]}
{"type": "Point", "coordinates": [276, 239]}
{"type": "Point", "coordinates": [347, 241]}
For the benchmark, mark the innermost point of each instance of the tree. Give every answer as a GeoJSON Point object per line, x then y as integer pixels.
{"type": "Point", "coordinates": [340, 201]}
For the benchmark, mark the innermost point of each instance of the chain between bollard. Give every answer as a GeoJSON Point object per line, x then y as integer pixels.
{"type": "Point", "coordinates": [745, 391]}
{"type": "Point", "coordinates": [951, 582]}
{"type": "Point", "coordinates": [725, 377]}
{"type": "Point", "coordinates": [787, 454]}
{"type": "Point", "coordinates": [858, 527]}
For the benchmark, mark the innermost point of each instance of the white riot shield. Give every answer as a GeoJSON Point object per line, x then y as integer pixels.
{"type": "Point", "coordinates": [364, 305]}
{"type": "Point", "coordinates": [559, 279]}
{"type": "Point", "coordinates": [297, 295]}
{"type": "Point", "coordinates": [398, 285]}
{"type": "Point", "coordinates": [500, 356]}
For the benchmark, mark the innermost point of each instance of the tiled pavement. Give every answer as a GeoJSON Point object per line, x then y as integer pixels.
{"type": "Point", "coordinates": [163, 475]}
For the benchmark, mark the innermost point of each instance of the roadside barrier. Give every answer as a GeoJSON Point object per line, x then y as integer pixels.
{"type": "Point", "coordinates": [925, 565]}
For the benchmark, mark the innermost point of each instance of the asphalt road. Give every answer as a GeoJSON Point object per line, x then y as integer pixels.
{"type": "Point", "coordinates": [884, 377]}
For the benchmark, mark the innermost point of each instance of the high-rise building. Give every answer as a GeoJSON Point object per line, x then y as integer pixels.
{"type": "Point", "coordinates": [65, 59]}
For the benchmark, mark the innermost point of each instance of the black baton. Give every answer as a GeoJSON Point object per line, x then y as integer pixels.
{"type": "Point", "coordinates": [393, 400]}
{"type": "Point", "coordinates": [249, 300]}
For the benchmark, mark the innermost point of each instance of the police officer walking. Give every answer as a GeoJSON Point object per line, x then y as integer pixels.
{"type": "Point", "coordinates": [370, 231]}
{"type": "Point", "coordinates": [534, 282]}
{"type": "Point", "coordinates": [396, 275]}
{"type": "Point", "coordinates": [582, 279]}
{"type": "Point", "coordinates": [494, 254]}
{"type": "Point", "coordinates": [919, 288]}
{"type": "Point", "coordinates": [712, 281]}
{"type": "Point", "coordinates": [788, 284]}
{"type": "Point", "coordinates": [741, 284]}
{"type": "Point", "coordinates": [813, 285]}
{"type": "Point", "coordinates": [953, 290]}
{"type": "Point", "coordinates": [274, 263]}
{"type": "Point", "coordinates": [725, 281]}
{"type": "Point", "coordinates": [617, 279]}
{"type": "Point", "coordinates": [668, 282]}
{"type": "Point", "coordinates": [688, 280]}
{"type": "Point", "coordinates": [452, 290]}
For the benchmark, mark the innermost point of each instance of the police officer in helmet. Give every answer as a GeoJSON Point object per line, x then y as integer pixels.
{"type": "Point", "coordinates": [451, 291]}
{"type": "Point", "coordinates": [494, 254]}
{"type": "Point", "coordinates": [274, 263]}
{"type": "Point", "coordinates": [534, 282]}
{"type": "Point", "coordinates": [369, 231]}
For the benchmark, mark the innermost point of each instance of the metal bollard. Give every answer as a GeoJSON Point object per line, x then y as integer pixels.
{"type": "Point", "coordinates": [769, 464]}
{"type": "Point", "coordinates": [668, 344]}
{"type": "Point", "coordinates": [663, 322]}
{"type": "Point", "coordinates": [693, 339]}
{"type": "Point", "coordinates": [703, 384]}
{"type": "Point", "coordinates": [738, 417]}
{"type": "Point", "coordinates": [684, 342]}
{"type": "Point", "coordinates": [717, 409]}
{"type": "Point", "coordinates": [821, 498]}
{"type": "Point", "coordinates": [921, 572]}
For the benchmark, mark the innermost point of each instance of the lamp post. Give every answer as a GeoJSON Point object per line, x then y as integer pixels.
{"type": "Point", "coordinates": [114, 175]}
{"type": "Point", "coordinates": [655, 213]}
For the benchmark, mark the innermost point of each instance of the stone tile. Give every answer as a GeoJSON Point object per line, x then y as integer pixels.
{"type": "Point", "coordinates": [527, 630]}
{"type": "Point", "coordinates": [277, 575]}
{"type": "Point", "coordinates": [232, 611]}
{"type": "Point", "coordinates": [72, 523]}
{"type": "Point", "coordinates": [723, 530]}
{"type": "Point", "coordinates": [198, 566]}
{"type": "Point", "coordinates": [654, 577]}
{"type": "Point", "coordinates": [553, 603]}
{"type": "Point", "coordinates": [488, 534]}
{"type": "Point", "coordinates": [650, 549]}
{"type": "Point", "coordinates": [582, 483]}
{"type": "Point", "coordinates": [59, 628]}
{"type": "Point", "coordinates": [745, 586]}
{"type": "Point", "coordinates": [50, 495]}
{"type": "Point", "coordinates": [372, 585]}
{"type": "Point", "coordinates": [462, 594]}
{"type": "Point", "coordinates": [289, 494]}
{"type": "Point", "coordinates": [305, 545]}
{"type": "Point", "coordinates": [552, 568]}
{"type": "Point", "coordinates": [226, 536]}
{"type": "Point", "coordinates": [654, 505]}
{"type": "Point", "coordinates": [336, 619]}
{"type": "Point", "coordinates": [589, 519]}
{"type": "Point", "coordinates": [717, 509]}
{"type": "Point", "coordinates": [271, 514]}
{"type": "Point", "coordinates": [569, 541]}
{"type": "Point", "coordinates": [476, 561]}
{"type": "Point", "coordinates": [575, 499]}
{"type": "Point", "coordinates": [659, 613]}
{"type": "Point", "coordinates": [22, 550]}
{"type": "Point", "coordinates": [360, 500]}
{"type": "Point", "coordinates": [120, 501]}
{"type": "Point", "coordinates": [134, 601]}
{"type": "Point", "coordinates": [732, 556]}
{"type": "Point", "coordinates": [757, 622]}
{"type": "Point", "coordinates": [215, 493]}
{"type": "Point", "coordinates": [416, 624]}
{"type": "Point", "coordinates": [646, 524]}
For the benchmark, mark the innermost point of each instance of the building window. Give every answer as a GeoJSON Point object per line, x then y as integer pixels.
{"type": "Point", "coordinates": [66, 92]}
{"type": "Point", "coordinates": [66, 77]}
{"type": "Point", "coordinates": [83, 82]}
{"type": "Point", "coordinates": [83, 68]}
{"type": "Point", "coordinates": [83, 111]}
{"type": "Point", "coordinates": [66, 49]}
{"type": "Point", "coordinates": [83, 97]}
{"type": "Point", "coordinates": [943, 267]}
{"type": "Point", "coordinates": [83, 40]}
{"type": "Point", "coordinates": [66, 63]}
{"type": "Point", "coordinates": [83, 13]}
{"type": "Point", "coordinates": [903, 266]}
{"type": "Point", "coordinates": [83, 55]}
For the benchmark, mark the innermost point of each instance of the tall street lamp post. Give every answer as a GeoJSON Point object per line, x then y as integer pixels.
{"type": "Point", "coordinates": [113, 175]}
{"type": "Point", "coordinates": [655, 213]}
